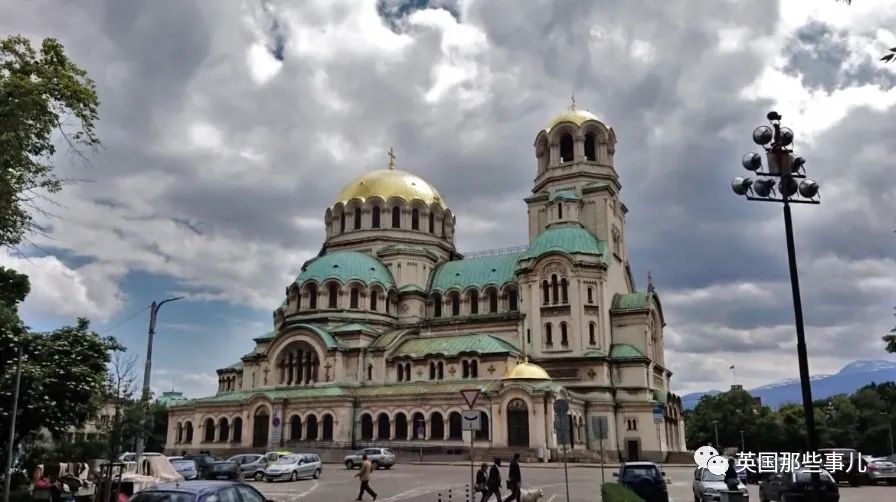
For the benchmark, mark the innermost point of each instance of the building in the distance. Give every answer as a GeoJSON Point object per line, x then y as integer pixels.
{"type": "Point", "coordinates": [377, 336]}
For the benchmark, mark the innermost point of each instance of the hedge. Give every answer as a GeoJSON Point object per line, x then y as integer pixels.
{"type": "Point", "coordinates": [615, 492]}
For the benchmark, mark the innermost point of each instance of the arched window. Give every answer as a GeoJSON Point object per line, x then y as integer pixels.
{"type": "Point", "coordinates": [589, 147]}
{"type": "Point", "coordinates": [482, 433]}
{"type": "Point", "coordinates": [564, 296]}
{"type": "Point", "coordinates": [591, 339]}
{"type": "Point", "coordinates": [432, 371]}
{"type": "Point", "coordinates": [396, 217]}
{"type": "Point", "coordinates": [564, 340]}
{"type": "Point", "coordinates": [560, 210]}
{"type": "Point", "coordinates": [590, 296]}
{"type": "Point", "coordinates": [179, 436]}
{"type": "Point", "coordinates": [223, 430]}
{"type": "Point", "coordinates": [366, 427]}
{"type": "Point", "coordinates": [357, 218]}
{"type": "Point", "coordinates": [474, 369]}
{"type": "Point", "coordinates": [353, 298]}
{"type": "Point", "coordinates": [295, 428]}
{"type": "Point", "coordinates": [333, 295]}
{"type": "Point", "coordinates": [441, 371]}
{"type": "Point", "coordinates": [555, 288]}
{"type": "Point", "coordinates": [474, 302]}
{"type": "Point", "coordinates": [455, 304]}
{"type": "Point", "coordinates": [401, 373]}
{"type": "Point", "coordinates": [188, 432]}
{"type": "Point", "coordinates": [407, 372]}
{"type": "Point", "coordinates": [415, 219]}
{"type": "Point", "coordinates": [466, 369]}
{"type": "Point", "coordinates": [342, 222]}
{"type": "Point", "coordinates": [369, 372]}
{"type": "Point", "coordinates": [566, 147]}
{"type": "Point", "coordinates": [237, 430]}
{"type": "Point", "coordinates": [493, 300]}
{"type": "Point", "coordinates": [375, 223]}
{"type": "Point", "coordinates": [443, 227]}
{"type": "Point", "coordinates": [455, 426]}
{"type": "Point", "coordinates": [432, 222]}
{"type": "Point", "coordinates": [387, 301]}
{"type": "Point", "coordinates": [311, 428]}
{"type": "Point", "coordinates": [328, 428]}
{"type": "Point", "coordinates": [548, 336]}
{"type": "Point", "coordinates": [208, 430]}
{"type": "Point", "coordinates": [437, 305]}
{"type": "Point", "coordinates": [312, 296]}
{"type": "Point", "coordinates": [374, 296]}
{"type": "Point", "coordinates": [512, 300]}
{"type": "Point", "coordinates": [546, 290]}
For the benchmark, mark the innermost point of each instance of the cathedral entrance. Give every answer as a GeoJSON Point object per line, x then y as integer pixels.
{"type": "Point", "coordinates": [260, 427]}
{"type": "Point", "coordinates": [517, 423]}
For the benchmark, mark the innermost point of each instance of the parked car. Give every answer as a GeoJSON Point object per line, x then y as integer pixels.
{"type": "Point", "coordinates": [293, 467]}
{"type": "Point", "coordinates": [203, 462]}
{"type": "Point", "coordinates": [186, 468]}
{"type": "Point", "coordinates": [223, 470]}
{"type": "Point", "coordinates": [645, 479]}
{"type": "Point", "coordinates": [850, 471]}
{"type": "Point", "coordinates": [792, 485]}
{"type": "Point", "coordinates": [707, 486]}
{"type": "Point", "coordinates": [252, 465]}
{"type": "Point", "coordinates": [880, 470]}
{"type": "Point", "coordinates": [130, 456]}
{"type": "Point", "coordinates": [379, 457]}
{"type": "Point", "coordinates": [272, 457]}
{"type": "Point", "coordinates": [199, 491]}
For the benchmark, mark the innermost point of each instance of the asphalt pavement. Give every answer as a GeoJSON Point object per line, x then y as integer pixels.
{"type": "Point", "coordinates": [446, 483]}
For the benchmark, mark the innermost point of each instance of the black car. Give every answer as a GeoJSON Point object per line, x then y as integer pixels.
{"type": "Point", "coordinates": [223, 470]}
{"type": "Point", "coordinates": [200, 491]}
{"type": "Point", "coordinates": [645, 479]}
{"type": "Point", "coordinates": [850, 459]}
{"type": "Point", "coordinates": [203, 462]}
{"type": "Point", "coordinates": [796, 485]}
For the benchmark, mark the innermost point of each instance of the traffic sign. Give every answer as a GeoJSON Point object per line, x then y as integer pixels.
{"type": "Point", "coordinates": [471, 420]}
{"type": "Point", "coordinates": [599, 427]}
{"type": "Point", "coordinates": [561, 407]}
{"type": "Point", "coordinates": [561, 427]}
{"type": "Point", "coordinates": [658, 414]}
{"type": "Point", "coordinates": [470, 396]}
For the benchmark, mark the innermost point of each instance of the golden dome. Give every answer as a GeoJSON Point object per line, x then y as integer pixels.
{"type": "Point", "coordinates": [388, 183]}
{"type": "Point", "coordinates": [527, 371]}
{"type": "Point", "coordinates": [571, 114]}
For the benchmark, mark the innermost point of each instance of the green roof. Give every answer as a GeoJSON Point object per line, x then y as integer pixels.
{"type": "Point", "coordinates": [625, 351]}
{"type": "Point", "coordinates": [595, 353]}
{"type": "Point", "coordinates": [452, 345]}
{"type": "Point", "coordinates": [235, 366]}
{"type": "Point", "coordinates": [660, 396]}
{"type": "Point", "coordinates": [353, 327]}
{"type": "Point", "coordinates": [409, 288]}
{"type": "Point", "coordinates": [346, 266]}
{"type": "Point", "coordinates": [386, 339]}
{"type": "Point", "coordinates": [595, 185]}
{"type": "Point", "coordinates": [171, 398]}
{"type": "Point", "coordinates": [267, 336]}
{"type": "Point", "coordinates": [271, 394]}
{"type": "Point", "coordinates": [570, 238]}
{"type": "Point", "coordinates": [329, 340]}
{"type": "Point", "coordinates": [479, 271]}
{"type": "Point", "coordinates": [630, 301]}
{"type": "Point", "coordinates": [564, 195]}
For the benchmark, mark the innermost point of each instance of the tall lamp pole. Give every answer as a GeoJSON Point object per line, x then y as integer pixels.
{"type": "Point", "coordinates": [787, 169]}
{"type": "Point", "coordinates": [147, 371]}
{"type": "Point", "coordinates": [715, 423]}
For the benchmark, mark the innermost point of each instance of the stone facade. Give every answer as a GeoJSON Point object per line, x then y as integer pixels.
{"type": "Point", "coordinates": [378, 335]}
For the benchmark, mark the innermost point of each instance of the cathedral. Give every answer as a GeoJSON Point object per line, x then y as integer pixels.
{"type": "Point", "coordinates": [379, 334]}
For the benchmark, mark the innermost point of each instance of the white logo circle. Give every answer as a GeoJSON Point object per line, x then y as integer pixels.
{"type": "Point", "coordinates": [717, 465]}
{"type": "Point", "coordinates": [703, 454]}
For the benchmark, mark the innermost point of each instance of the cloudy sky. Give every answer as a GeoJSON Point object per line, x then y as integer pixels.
{"type": "Point", "coordinates": [230, 126]}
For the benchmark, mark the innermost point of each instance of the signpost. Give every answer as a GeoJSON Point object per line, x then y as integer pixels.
{"type": "Point", "coordinates": [599, 430]}
{"type": "Point", "coordinates": [561, 426]}
{"type": "Point", "coordinates": [471, 423]}
{"type": "Point", "coordinates": [658, 414]}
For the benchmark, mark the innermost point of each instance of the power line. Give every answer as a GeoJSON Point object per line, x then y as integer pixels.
{"type": "Point", "coordinates": [135, 314]}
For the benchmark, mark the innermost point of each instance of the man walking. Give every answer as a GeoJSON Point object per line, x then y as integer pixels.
{"type": "Point", "coordinates": [364, 474]}
{"type": "Point", "coordinates": [514, 479]}
{"type": "Point", "coordinates": [482, 481]}
{"type": "Point", "coordinates": [494, 482]}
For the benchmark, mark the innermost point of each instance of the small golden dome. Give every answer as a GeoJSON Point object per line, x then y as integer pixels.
{"type": "Point", "coordinates": [571, 114]}
{"type": "Point", "coordinates": [388, 183]}
{"type": "Point", "coordinates": [527, 371]}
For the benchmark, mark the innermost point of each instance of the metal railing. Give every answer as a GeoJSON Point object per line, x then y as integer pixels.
{"type": "Point", "coordinates": [496, 252]}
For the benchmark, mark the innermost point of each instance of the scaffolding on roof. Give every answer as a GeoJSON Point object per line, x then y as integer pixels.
{"type": "Point", "coordinates": [496, 252]}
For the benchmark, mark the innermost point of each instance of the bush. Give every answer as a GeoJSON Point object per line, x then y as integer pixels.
{"type": "Point", "coordinates": [614, 492]}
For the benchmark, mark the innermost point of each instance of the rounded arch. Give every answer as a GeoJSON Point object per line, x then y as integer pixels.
{"type": "Point", "coordinates": [455, 426]}
{"type": "Point", "coordinates": [261, 422]}
{"type": "Point", "coordinates": [188, 431]}
{"type": "Point", "coordinates": [294, 297]}
{"type": "Point", "coordinates": [491, 296]}
{"type": "Point", "coordinates": [366, 427]}
{"type": "Point", "coordinates": [517, 422]}
{"type": "Point", "coordinates": [208, 430]}
{"type": "Point", "coordinates": [327, 427]}
{"type": "Point", "coordinates": [310, 289]}
{"type": "Point", "coordinates": [297, 360]}
{"type": "Point", "coordinates": [473, 298]}
{"type": "Point", "coordinates": [179, 432]}
{"type": "Point", "coordinates": [295, 428]}
{"type": "Point", "coordinates": [418, 426]}
{"type": "Point", "coordinates": [437, 301]}
{"type": "Point", "coordinates": [436, 425]}
{"type": "Point", "coordinates": [377, 295]}
{"type": "Point", "coordinates": [332, 291]}
{"type": "Point", "coordinates": [484, 432]}
{"type": "Point", "coordinates": [237, 426]}
{"type": "Point", "coordinates": [512, 293]}
{"type": "Point", "coordinates": [311, 432]}
{"type": "Point", "coordinates": [223, 429]}
{"type": "Point", "coordinates": [383, 426]}
{"type": "Point", "coordinates": [401, 426]}
{"type": "Point", "coordinates": [453, 302]}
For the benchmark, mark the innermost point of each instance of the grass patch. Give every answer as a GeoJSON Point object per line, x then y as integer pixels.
{"type": "Point", "coordinates": [614, 492]}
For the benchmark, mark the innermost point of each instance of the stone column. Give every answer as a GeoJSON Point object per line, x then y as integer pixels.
{"type": "Point", "coordinates": [578, 147]}
{"type": "Point", "coordinates": [554, 158]}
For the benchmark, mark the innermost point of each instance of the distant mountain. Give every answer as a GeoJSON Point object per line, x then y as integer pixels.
{"type": "Point", "coordinates": [849, 379]}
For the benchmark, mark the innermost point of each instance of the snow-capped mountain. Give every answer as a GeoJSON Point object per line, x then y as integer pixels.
{"type": "Point", "coordinates": [850, 378]}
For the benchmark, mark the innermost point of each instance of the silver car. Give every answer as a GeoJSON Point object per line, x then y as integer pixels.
{"type": "Point", "coordinates": [293, 467]}
{"type": "Point", "coordinates": [252, 465]}
{"type": "Point", "coordinates": [880, 470]}
{"type": "Point", "coordinates": [708, 485]}
{"type": "Point", "coordinates": [379, 457]}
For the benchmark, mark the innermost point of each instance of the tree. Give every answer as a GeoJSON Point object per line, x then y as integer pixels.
{"type": "Point", "coordinates": [41, 94]}
{"type": "Point", "coordinates": [890, 340]}
{"type": "Point", "coordinates": [62, 371]}
{"type": "Point", "coordinates": [121, 386]}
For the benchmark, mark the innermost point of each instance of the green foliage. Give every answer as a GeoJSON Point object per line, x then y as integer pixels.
{"type": "Point", "coordinates": [890, 339]}
{"type": "Point", "coordinates": [858, 421]}
{"type": "Point", "coordinates": [615, 492]}
{"type": "Point", "coordinates": [42, 94]}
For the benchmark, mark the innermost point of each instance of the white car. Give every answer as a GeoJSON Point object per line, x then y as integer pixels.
{"type": "Point", "coordinates": [708, 485]}
{"type": "Point", "coordinates": [293, 467]}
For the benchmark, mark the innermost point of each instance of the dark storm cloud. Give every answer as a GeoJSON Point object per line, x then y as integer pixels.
{"type": "Point", "coordinates": [396, 12]}
{"type": "Point", "coordinates": [819, 54]}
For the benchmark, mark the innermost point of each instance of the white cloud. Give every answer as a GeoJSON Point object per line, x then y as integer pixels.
{"type": "Point", "coordinates": [263, 66]}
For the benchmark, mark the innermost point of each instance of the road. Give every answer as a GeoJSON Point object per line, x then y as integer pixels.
{"type": "Point", "coordinates": [427, 483]}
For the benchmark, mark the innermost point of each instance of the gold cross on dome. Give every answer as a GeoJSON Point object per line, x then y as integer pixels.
{"type": "Point", "coordinates": [391, 155]}
{"type": "Point", "coordinates": [573, 105]}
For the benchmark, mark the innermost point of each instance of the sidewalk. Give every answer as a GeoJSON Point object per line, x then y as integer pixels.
{"type": "Point", "coordinates": [548, 465]}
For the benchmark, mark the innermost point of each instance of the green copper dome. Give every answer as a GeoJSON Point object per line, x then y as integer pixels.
{"type": "Point", "coordinates": [346, 266]}
{"type": "Point", "coordinates": [569, 238]}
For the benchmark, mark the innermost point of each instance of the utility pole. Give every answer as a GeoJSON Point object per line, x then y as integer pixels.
{"type": "Point", "coordinates": [715, 424]}
{"type": "Point", "coordinates": [12, 424]}
{"type": "Point", "coordinates": [743, 444]}
{"type": "Point", "coordinates": [147, 372]}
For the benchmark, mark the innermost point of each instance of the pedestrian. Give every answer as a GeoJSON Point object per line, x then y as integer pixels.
{"type": "Point", "coordinates": [731, 478]}
{"type": "Point", "coordinates": [482, 481]}
{"type": "Point", "coordinates": [494, 481]}
{"type": "Point", "coordinates": [364, 475]}
{"type": "Point", "coordinates": [514, 479]}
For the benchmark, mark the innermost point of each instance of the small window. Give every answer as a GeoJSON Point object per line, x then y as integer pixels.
{"type": "Point", "coordinates": [455, 304]}
{"type": "Point", "coordinates": [432, 223]}
{"type": "Point", "coordinates": [548, 336]}
{"type": "Point", "coordinates": [590, 296]}
{"type": "Point", "coordinates": [334, 292]}
{"type": "Point", "coordinates": [560, 210]}
{"type": "Point", "coordinates": [555, 287]}
{"type": "Point", "coordinates": [589, 147]}
{"type": "Point", "coordinates": [474, 369]}
{"type": "Point", "coordinates": [312, 297]}
{"type": "Point", "coordinates": [474, 302]}
{"type": "Point", "coordinates": [493, 301]}
{"type": "Point", "coordinates": [513, 300]}
{"type": "Point", "coordinates": [400, 373]}
{"type": "Point", "coordinates": [375, 223]}
{"type": "Point", "coordinates": [342, 222]}
{"type": "Point", "coordinates": [407, 372]}
{"type": "Point", "coordinates": [357, 218]}
{"type": "Point", "coordinates": [564, 340]}
{"type": "Point", "coordinates": [432, 371]}
{"type": "Point", "coordinates": [370, 372]}
{"type": "Point", "coordinates": [396, 217]}
{"type": "Point", "coordinates": [528, 336]}
{"type": "Point", "coordinates": [564, 296]}
{"type": "Point", "coordinates": [466, 369]}
{"type": "Point", "coordinates": [441, 371]}
{"type": "Point", "coordinates": [631, 424]}
{"type": "Point", "coordinates": [374, 296]}
{"type": "Point", "coordinates": [546, 290]}
{"type": "Point", "coordinates": [353, 299]}
{"type": "Point", "coordinates": [415, 219]}
{"type": "Point", "coordinates": [591, 336]}
{"type": "Point", "coordinates": [437, 305]}
{"type": "Point", "coordinates": [566, 144]}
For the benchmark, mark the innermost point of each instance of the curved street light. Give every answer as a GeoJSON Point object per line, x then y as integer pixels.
{"type": "Point", "coordinates": [784, 180]}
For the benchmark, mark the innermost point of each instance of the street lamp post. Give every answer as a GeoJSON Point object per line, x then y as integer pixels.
{"type": "Point", "coordinates": [147, 371]}
{"type": "Point", "coordinates": [743, 444]}
{"type": "Point", "coordinates": [890, 429]}
{"type": "Point", "coordinates": [715, 424]}
{"type": "Point", "coordinates": [784, 166]}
